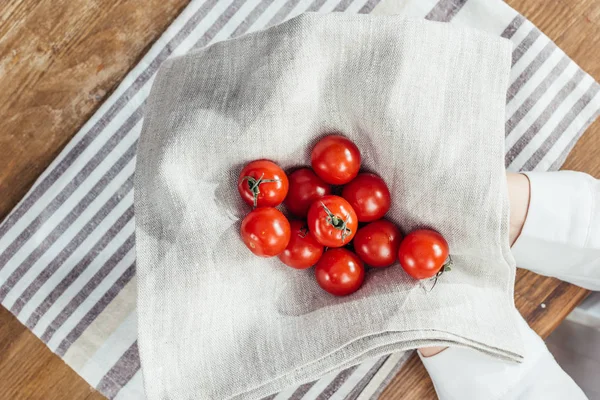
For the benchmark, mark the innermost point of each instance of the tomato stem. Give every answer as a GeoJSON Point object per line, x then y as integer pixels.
{"type": "Point", "coordinates": [254, 186]}
{"type": "Point", "coordinates": [445, 268]}
{"type": "Point", "coordinates": [337, 222]}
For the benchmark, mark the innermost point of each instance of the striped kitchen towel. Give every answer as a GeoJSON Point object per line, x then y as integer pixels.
{"type": "Point", "coordinates": [67, 251]}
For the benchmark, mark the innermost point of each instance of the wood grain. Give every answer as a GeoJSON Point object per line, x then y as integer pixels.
{"type": "Point", "coordinates": [60, 59]}
{"type": "Point", "coordinates": [574, 25]}
{"type": "Point", "coordinates": [28, 370]}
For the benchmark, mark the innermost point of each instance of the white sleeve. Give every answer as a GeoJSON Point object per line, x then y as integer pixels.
{"type": "Point", "coordinates": [466, 374]}
{"type": "Point", "coordinates": [561, 235]}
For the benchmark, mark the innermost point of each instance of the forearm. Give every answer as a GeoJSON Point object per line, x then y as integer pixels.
{"type": "Point", "coordinates": [518, 195]}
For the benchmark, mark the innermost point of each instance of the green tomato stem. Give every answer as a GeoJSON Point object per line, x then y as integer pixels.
{"type": "Point", "coordinates": [337, 222]}
{"type": "Point", "coordinates": [254, 186]}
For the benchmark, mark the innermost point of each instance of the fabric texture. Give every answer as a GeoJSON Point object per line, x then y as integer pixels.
{"type": "Point", "coordinates": [424, 101]}
{"type": "Point", "coordinates": [67, 250]}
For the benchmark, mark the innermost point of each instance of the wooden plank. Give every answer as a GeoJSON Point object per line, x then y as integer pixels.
{"type": "Point", "coordinates": [59, 60]}
{"type": "Point", "coordinates": [28, 370]}
{"type": "Point", "coordinates": [575, 26]}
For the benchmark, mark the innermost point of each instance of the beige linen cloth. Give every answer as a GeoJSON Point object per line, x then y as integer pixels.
{"type": "Point", "coordinates": [424, 101]}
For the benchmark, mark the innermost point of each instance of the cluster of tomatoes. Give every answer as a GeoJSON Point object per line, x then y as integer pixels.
{"type": "Point", "coordinates": [326, 226]}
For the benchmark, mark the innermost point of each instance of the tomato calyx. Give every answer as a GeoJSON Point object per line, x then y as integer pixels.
{"type": "Point", "coordinates": [254, 186]}
{"type": "Point", "coordinates": [337, 222]}
{"type": "Point", "coordinates": [445, 268]}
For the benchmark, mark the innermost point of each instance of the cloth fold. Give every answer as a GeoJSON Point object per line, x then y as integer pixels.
{"type": "Point", "coordinates": [425, 103]}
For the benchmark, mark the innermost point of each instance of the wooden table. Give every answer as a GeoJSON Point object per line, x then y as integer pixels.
{"type": "Point", "coordinates": [60, 59]}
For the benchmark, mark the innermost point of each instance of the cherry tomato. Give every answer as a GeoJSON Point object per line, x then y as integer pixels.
{"type": "Point", "coordinates": [262, 183]}
{"type": "Point", "coordinates": [340, 272]}
{"type": "Point", "coordinates": [335, 159]}
{"type": "Point", "coordinates": [265, 231]}
{"type": "Point", "coordinates": [303, 251]}
{"type": "Point", "coordinates": [369, 196]}
{"type": "Point", "coordinates": [423, 253]}
{"type": "Point", "coordinates": [377, 243]}
{"type": "Point", "coordinates": [305, 188]}
{"type": "Point", "coordinates": [332, 220]}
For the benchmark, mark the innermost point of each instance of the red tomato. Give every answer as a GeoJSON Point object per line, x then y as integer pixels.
{"type": "Point", "coordinates": [305, 188]}
{"type": "Point", "coordinates": [303, 251]}
{"type": "Point", "coordinates": [423, 253]}
{"type": "Point", "coordinates": [377, 243]}
{"type": "Point", "coordinates": [332, 220]}
{"type": "Point", "coordinates": [262, 183]}
{"type": "Point", "coordinates": [265, 231]}
{"type": "Point", "coordinates": [340, 272]}
{"type": "Point", "coordinates": [335, 159]}
{"type": "Point", "coordinates": [369, 196]}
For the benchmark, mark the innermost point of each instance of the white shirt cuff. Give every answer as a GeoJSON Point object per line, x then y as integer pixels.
{"type": "Point", "coordinates": [561, 235]}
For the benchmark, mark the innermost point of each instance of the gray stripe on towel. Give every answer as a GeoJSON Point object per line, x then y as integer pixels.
{"type": "Point", "coordinates": [562, 126]}
{"type": "Point", "coordinates": [42, 186]}
{"type": "Point", "coordinates": [67, 222]}
{"type": "Point", "coordinates": [88, 288]}
{"type": "Point", "coordinates": [360, 386]}
{"type": "Point", "coordinates": [525, 45]}
{"type": "Point", "coordinates": [530, 71]}
{"type": "Point", "coordinates": [445, 10]}
{"type": "Point", "coordinates": [368, 7]}
{"type": "Point", "coordinates": [96, 310]}
{"type": "Point", "coordinates": [336, 383]}
{"type": "Point", "coordinates": [251, 18]}
{"type": "Point", "coordinates": [342, 5]}
{"type": "Point", "coordinates": [121, 373]}
{"type": "Point", "coordinates": [561, 159]}
{"type": "Point", "coordinates": [541, 120]}
{"type": "Point", "coordinates": [513, 27]}
{"type": "Point", "coordinates": [536, 95]}
{"type": "Point", "coordinates": [216, 27]}
{"type": "Point", "coordinates": [68, 190]}
{"type": "Point", "coordinates": [301, 391]}
{"type": "Point", "coordinates": [70, 248]}
{"type": "Point", "coordinates": [79, 268]}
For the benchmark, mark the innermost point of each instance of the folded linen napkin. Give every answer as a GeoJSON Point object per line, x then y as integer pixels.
{"type": "Point", "coordinates": [425, 103]}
